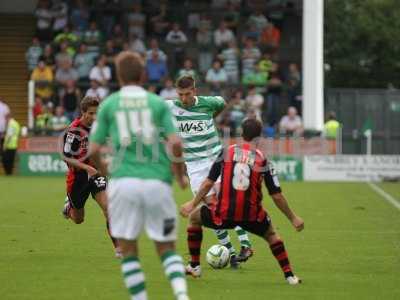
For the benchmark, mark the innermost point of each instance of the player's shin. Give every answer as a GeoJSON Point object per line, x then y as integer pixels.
{"type": "Point", "coordinates": [279, 251]}
{"type": "Point", "coordinates": [243, 237]}
{"type": "Point", "coordinates": [194, 238]}
{"type": "Point", "coordinates": [175, 272]}
{"type": "Point", "coordinates": [113, 240]}
{"type": "Point", "coordinates": [134, 278]}
{"type": "Point", "coordinates": [224, 240]}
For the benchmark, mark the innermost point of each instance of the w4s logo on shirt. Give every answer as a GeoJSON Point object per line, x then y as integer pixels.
{"type": "Point", "coordinates": [194, 126]}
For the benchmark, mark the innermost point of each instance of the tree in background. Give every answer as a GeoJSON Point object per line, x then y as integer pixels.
{"type": "Point", "coordinates": [361, 43]}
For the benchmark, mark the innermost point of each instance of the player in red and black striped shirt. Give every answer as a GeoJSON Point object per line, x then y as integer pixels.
{"type": "Point", "coordinates": [82, 178]}
{"type": "Point", "coordinates": [242, 168]}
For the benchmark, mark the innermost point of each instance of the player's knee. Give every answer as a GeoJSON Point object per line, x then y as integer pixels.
{"type": "Point", "coordinates": [194, 220]}
{"type": "Point", "coordinates": [78, 220]}
{"type": "Point", "coordinates": [271, 236]}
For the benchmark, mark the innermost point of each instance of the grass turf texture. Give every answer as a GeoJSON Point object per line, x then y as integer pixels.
{"type": "Point", "coordinates": [349, 249]}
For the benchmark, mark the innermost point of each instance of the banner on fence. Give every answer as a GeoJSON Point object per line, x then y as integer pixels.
{"type": "Point", "coordinates": [31, 163]}
{"type": "Point", "coordinates": [351, 167]}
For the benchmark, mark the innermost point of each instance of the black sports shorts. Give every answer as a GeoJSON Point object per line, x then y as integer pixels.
{"type": "Point", "coordinates": [255, 227]}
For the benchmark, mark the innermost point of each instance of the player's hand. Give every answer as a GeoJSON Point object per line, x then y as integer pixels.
{"type": "Point", "coordinates": [183, 181]}
{"type": "Point", "coordinates": [298, 223]}
{"type": "Point", "coordinates": [91, 171]}
{"type": "Point", "coordinates": [187, 208]}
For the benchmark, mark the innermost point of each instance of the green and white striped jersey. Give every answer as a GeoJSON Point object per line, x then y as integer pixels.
{"type": "Point", "coordinates": [196, 127]}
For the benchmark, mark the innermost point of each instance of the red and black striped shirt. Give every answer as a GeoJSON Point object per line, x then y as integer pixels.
{"type": "Point", "coordinates": [242, 171]}
{"type": "Point", "coordinates": [76, 142]}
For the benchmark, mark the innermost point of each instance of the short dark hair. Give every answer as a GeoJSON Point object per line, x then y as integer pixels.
{"type": "Point", "coordinates": [87, 102]}
{"type": "Point", "coordinates": [185, 81]}
{"type": "Point", "coordinates": [129, 66]}
{"type": "Point", "coordinates": [251, 129]}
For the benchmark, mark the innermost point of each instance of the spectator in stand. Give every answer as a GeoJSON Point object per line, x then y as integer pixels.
{"type": "Point", "coordinates": [33, 53]}
{"type": "Point", "coordinates": [59, 122]}
{"type": "Point", "coordinates": [160, 23]}
{"type": "Point", "coordinates": [44, 19]}
{"type": "Point", "coordinates": [270, 38]}
{"type": "Point", "coordinates": [169, 91]}
{"type": "Point", "coordinates": [4, 111]}
{"type": "Point", "coordinates": [93, 37]}
{"type": "Point", "coordinates": [222, 36]}
{"type": "Point", "coordinates": [136, 22]}
{"type": "Point", "coordinates": [118, 37]}
{"type": "Point", "coordinates": [152, 89]}
{"type": "Point", "coordinates": [66, 52]}
{"type": "Point", "coordinates": [205, 21]}
{"type": "Point", "coordinates": [156, 69]}
{"type": "Point", "coordinates": [137, 45]}
{"type": "Point", "coordinates": [230, 57]}
{"type": "Point", "coordinates": [265, 63]}
{"type": "Point", "coordinates": [69, 100]}
{"type": "Point", "coordinates": [101, 72]}
{"type": "Point", "coordinates": [193, 23]}
{"type": "Point", "coordinates": [110, 51]}
{"type": "Point", "coordinates": [232, 16]}
{"type": "Point", "coordinates": [84, 62]}
{"type": "Point", "coordinates": [294, 88]}
{"type": "Point", "coordinates": [188, 70]}
{"type": "Point", "coordinates": [237, 112]}
{"type": "Point", "coordinates": [10, 144]}
{"type": "Point", "coordinates": [48, 57]}
{"type": "Point", "coordinates": [258, 20]}
{"type": "Point", "coordinates": [274, 92]}
{"type": "Point", "coordinates": [291, 124]}
{"type": "Point", "coordinates": [216, 78]}
{"type": "Point", "coordinates": [37, 107]}
{"type": "Point", "coordinates": [43, 77]}
{"type": "Point", "coordinates": [153, 45]}
{"type": "Point", "coordinates": [251, 32]}
{"type": "Point", "coordinates": [60, 14]}
{"type": "Point", "coordinates": [96, 90]}
{"type": "Point", "coordinates": [109, 13]}
{"type": "Point", "coordinates": [205, 46]}
{"type": "Point", "coordinates": [80, 16]}
{"type": "Point", "coordinates": [255, 101]}
{"type": "Point", "coordinates": [250, 55]}
{"type": "Point", "coordinates": [42, 121]}
{"type": "Point", "coordinates": [256, 78]}
{"type": "Point", "coordinates": [177, 40]}
{"type": "Point", "coordinates": [66, 35]}
{"type": "Point", "coordinates": [66, 72]}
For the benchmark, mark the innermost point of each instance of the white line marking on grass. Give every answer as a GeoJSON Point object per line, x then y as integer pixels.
{"type": "Point", "coordinates": [386, 196]}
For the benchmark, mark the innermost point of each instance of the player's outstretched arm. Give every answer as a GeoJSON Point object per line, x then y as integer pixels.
{"type": "Point", "coordinates": [189, 206]}
{"type": "Point", "coordinates": [281, 202]}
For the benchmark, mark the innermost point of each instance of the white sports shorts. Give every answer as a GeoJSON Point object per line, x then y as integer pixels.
{"type": "Point", "coordinates": [198, 171]}
{"type": "Point", "coordinates": [134, 204]}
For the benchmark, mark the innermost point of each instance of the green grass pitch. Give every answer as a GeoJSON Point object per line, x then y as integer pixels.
{"type": "Point", "coordinates": [350, 248]}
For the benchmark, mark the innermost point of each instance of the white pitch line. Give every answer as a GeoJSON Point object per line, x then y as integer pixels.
{"type": "Point", "coordinates": [386, 196]}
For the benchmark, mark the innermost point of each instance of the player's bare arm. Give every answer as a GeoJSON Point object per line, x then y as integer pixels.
{"type": "Point", "coordinates": [95, 154]}
{"type": "Point", "coordinates": [281, 202]}
{"type": "Point", "coordinates": [189, 206]}
{"type": "Point", "coordinates": [80, 165]}
{"type": "Point", "coordinates": [174, 146]}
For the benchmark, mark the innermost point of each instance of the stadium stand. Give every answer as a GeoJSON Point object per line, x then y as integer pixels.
{"type": "Point", "coordinates": [252, 40]}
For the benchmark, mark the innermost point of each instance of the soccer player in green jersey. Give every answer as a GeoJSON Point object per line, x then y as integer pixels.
{"type": "Point", "coordinates": [140, 128]}
{"type": "Point", "coordinates": [195, 121]}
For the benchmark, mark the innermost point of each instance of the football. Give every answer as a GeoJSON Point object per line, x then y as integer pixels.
{"type": "Point", "coordinates": [218, 256]}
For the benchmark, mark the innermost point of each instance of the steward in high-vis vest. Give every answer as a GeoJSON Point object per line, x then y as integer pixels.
{"type": "Point", "coordinates": [331, 127]}
{"type": "Point", "coordinates": [10, 144]}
